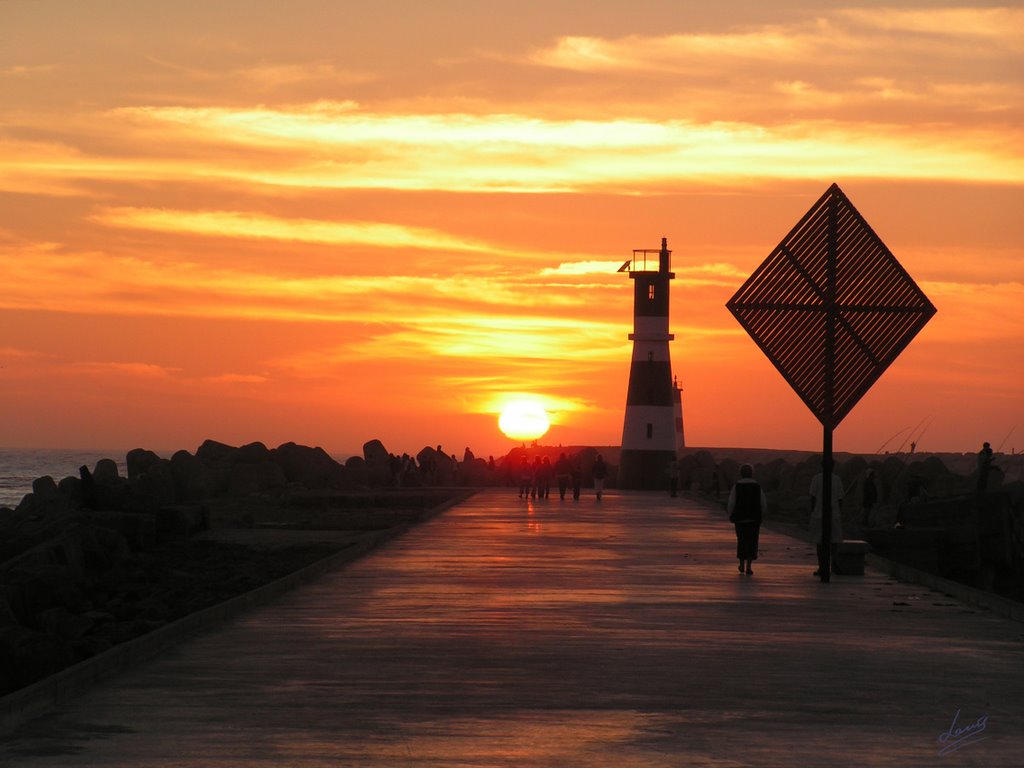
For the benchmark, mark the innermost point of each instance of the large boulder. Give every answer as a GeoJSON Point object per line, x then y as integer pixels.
{"type": "Point", "coordinates": [138, 530]}
{"type": "Point", "coordinates": [181, 520]}
{"type": "Point", "coordinates": [212, 452]}
{"type": "Point", "coordinates": [435, 467]}
{"type": "Point", "coordinates": [153, 488]}
{"type": "Point", "coordinates": [45, 490]}
{"type": "Point", "coordinates": [193, 480]}
{"type": "Point", "coordinates": [139, 461]}
{"type": "Point", "coordinates": [246, 479]}
{"type": "Point", "coordinates": [378, 463]}
{"type": "Point", "coordinates": [309, 467]}
{"type": "Point", "coordinates": [218, 459]}
{"type": "Point", "coordinates": [106, 472]}
{"type": "Point", "coordinates": [252, 453]}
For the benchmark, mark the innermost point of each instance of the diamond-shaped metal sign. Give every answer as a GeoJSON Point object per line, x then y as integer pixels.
{"type": "Point", "coordinates": [831, 307]}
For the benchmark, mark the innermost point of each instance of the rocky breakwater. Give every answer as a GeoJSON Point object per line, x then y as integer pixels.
{"type": "Point", "coordinates": [99, 558]}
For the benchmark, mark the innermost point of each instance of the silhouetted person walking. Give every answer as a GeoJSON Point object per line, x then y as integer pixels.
{"type": "Point", "coordinates": [577, 481]}
{"type": "Point", "coordinates": [544, 478]}
{"type": "Point", "coordinates": [673, 471]}
{"type": "Point", "coordinates": [816, 518]}
{"type": "Point", "coordinates": [984, 465]}
{"type": "Point", "coordinates": [563, 473]}
{"type": "Point", "coordinates": [525, 476]}
{"type": "Point", "coordinates": [746, 506]}
{"type": "Point", "coordinates": [599, 472]}
{"type": "Point", "coordinates": [535, 469]}
{"type": "Point", "coordinates": [869, 496]}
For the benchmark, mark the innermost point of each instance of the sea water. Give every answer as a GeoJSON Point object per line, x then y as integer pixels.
{"type": "Point", "coordinates": [20, 466]}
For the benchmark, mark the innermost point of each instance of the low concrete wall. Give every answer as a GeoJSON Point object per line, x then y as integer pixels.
{"type": "Point", "coordinates": [1001, 606]}
{"type": "Point", "coordinates": [23, 705]}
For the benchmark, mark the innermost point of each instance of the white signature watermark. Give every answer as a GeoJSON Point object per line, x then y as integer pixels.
{"type": "Point", "coordinates": [958, 737]}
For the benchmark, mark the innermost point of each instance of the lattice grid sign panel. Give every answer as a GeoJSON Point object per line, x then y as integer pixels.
{"type": "Point", "coordinates": [831, 307]}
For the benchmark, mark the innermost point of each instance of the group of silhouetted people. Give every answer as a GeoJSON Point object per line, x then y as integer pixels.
{"type": "Point", "coordinates": [535, 478]}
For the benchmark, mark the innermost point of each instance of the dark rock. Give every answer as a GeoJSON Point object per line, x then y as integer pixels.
{"type": "Point", "coordinates": [374, 452]}
{"type": "Point", "coordinates": [252, 453]}
{"type": "Point", "coordinates": [181, 520]}
{"type": "Point", "coordinates": [357, 470]}
{"type": "Point", "coordinates": [27, 656]}
{"type": "Point", "coordinates": [212, 452]}
{"type": "Point", "coordinates": [87, 647]}
{"type": "Point", "coordinates": [218, 459]}
{"type": "Point", "coordinates": [311, 467]}
{"type": "Point", "coordinates": [45, 489]}
{"type": "Point", "coordinates": [247, 479]}
{"type": "Point", "coordinates": [153, 488]}
{"type": "Point", "coordinates": [474, 473]}
{"type": "Point", "coordinates": [138, 529]}
{"type": "Point", "coordinates": [378, 463]}
{"type": "Point", "coordinates": [71, 489]}
{"type": "Point", "coordinates": [193, 481]}
{"type": "Point", "coordinates": [106, 472]}
{"type": "Point", "coordinates": [7, 616]}
{"type": "Point", "coordinates": [436, 467]}
{"type": "Point", "coordinates": [63, 623]}
{"type": "Point", "coordinates": [138, 462]}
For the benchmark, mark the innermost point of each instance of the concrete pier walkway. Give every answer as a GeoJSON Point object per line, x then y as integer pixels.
{"type": "Point", "coordinates": [550, 633]}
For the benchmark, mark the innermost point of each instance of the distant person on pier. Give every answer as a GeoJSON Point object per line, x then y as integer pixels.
{"type": "Point", "coordinates": [673, 470]}
{"type": "Point", "coordinates": [577, 481]}
{"type": "Point", "coordinates": [984, 465]}
{"type": "Point", "coordinates": [563, 474]}
{"type": "Point", "coordinates": [869, 496]}
{"type": "Point", "coordinates": [535, 473]}
{"type": "Point", "coordinates": [600, 473]}
{"type": "Point", "coordinates": [816, 518]}
{"type": "Point", "coordinates": [544, 478]}
{"type": "Point", "coordinates": [747, 506]}
{"type": "Point", "coordinates": [525, 476]}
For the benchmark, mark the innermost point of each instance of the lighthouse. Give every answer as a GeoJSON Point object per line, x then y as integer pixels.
{"type": "Point", "coordinates": [652, 430]}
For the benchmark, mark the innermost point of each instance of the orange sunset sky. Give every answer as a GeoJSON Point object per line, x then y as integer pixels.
{"type": "Point", "coordinates": [333, 221]}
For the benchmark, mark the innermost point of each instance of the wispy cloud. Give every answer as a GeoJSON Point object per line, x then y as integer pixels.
{"type": "Point", "coordinates": [505, 152]}
{"type": "Point", "coordinates": [26, 70]}
{"type": "Point", "coordinates": [237, 378]}
{"type": "Point", "coordinates": [252, 225]}
{"type": "Point", "coordinates": [142, 370]}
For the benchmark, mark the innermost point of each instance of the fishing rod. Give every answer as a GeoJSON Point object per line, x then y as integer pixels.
{"type": "Point", "coordinates": [891, 439]}
{"type": "Point", "coordinates": [922, 421]}
{"type": "Point", "coordinates": [1006, 438]}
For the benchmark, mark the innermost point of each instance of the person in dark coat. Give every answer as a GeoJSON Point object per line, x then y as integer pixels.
{"type": "Point", "coordinates": [869, 496]}
{"type": "Point", "coordinates": [600, 473]}
{"type": "Point", "coordinates": [563, 473]}
{"type": "Point", "coordinates": [747, 506]}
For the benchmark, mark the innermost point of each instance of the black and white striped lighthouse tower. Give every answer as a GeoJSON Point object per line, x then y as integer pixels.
{"type": "Point", "coordinates": [652, 430]}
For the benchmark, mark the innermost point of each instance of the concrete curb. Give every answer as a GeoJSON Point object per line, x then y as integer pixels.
{"type": "Point", "coordinates": [1001, 606]}
{"type": "Point", "coordinates": [23, 705]}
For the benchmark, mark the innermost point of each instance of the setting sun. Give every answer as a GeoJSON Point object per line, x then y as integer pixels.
{"type": "Point", "coordinates": [524, 420]}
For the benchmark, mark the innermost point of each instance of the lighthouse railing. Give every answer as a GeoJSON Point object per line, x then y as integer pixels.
{"type": "Point", "coordinates": [647, 260]}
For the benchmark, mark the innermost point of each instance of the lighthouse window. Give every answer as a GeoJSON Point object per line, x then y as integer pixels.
{"type": "Point", "coordinates": [650, 292]}
{"type": "Point", "coordinates": [650, 430]}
